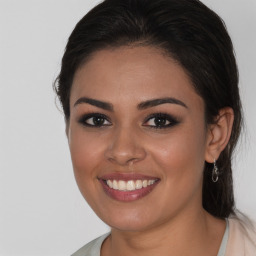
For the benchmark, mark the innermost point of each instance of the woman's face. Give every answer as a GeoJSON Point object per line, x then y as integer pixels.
{"type": "Point", "coordinates": [137, 138]}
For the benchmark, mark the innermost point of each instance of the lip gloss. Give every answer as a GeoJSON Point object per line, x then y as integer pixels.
{"type": "Point", "coordinates": [127, 195]}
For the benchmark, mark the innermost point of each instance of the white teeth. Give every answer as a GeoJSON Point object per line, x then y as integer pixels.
{"type": "Point", "coordinates": [115, 184]}
{"type": "Point", "coordinates": [121, 185]}
{"type": "Point", "coordinates": [129, 185]}
{"type": "Point", "coordinates": [110, 183]}
{"type": "Point", "coordinates": [138, 184]}
{"type": "Point", "coordinates": [144, 183]}
{"type": "Point", "coordinates": [150, 182]}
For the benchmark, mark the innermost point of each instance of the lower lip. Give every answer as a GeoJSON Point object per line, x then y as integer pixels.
{"type": "Point", "coordinates": [127, 196]}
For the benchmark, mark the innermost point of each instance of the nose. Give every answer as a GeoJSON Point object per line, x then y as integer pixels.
{"type": "Point", "coordinates": [125, 148]}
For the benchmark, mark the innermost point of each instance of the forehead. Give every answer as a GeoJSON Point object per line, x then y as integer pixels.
{"type": "Point", "coordinates": [138, 72]}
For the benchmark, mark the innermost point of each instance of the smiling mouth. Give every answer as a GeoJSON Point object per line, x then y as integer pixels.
{"type": "Point", "coordinates": [129, 185]}
{"type": "Point", "coordinates": [127, 189]}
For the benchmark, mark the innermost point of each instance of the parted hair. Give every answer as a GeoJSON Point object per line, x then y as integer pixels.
{"type": "Point", "coordinates": [188, 32]}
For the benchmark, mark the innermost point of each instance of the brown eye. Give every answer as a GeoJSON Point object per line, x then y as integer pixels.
{"type": "Point", "coordinates": [160, 120]}
{"type": "Point", "coordinates": [94, 120]}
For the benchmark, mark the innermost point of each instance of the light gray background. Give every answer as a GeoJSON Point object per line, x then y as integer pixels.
{"type": "Point", "coordinates": [41, 209]}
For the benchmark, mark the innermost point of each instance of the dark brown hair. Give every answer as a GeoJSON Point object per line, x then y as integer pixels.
{"type": "Point", "coordinates": [190, 33]}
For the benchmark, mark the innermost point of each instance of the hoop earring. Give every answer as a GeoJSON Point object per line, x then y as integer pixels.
{"type": "Point", "coordinates": [215, 172]}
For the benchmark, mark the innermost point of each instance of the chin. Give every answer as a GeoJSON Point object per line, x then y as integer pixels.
{"type": "Point", "coordinates": [129, 221]}
{"type": "Point", "coordinates": [130, 225]}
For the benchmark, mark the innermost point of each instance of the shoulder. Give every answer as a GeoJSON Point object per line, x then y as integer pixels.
{"type": "Point", "coordinates": [92, 248]}
{"type": "Point", "coordinates": [242, 236]}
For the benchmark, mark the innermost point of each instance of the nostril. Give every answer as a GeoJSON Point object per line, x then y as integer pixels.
{"type": "Point", "coordinates": [124, 148]}
{"type": "Point", "coordinates": [126, 158]}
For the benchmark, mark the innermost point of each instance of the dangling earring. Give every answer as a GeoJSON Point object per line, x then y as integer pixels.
{"type": "Point", "coordinates": [215, 172]}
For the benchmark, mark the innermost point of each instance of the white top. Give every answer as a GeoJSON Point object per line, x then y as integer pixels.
{"type": "Point", "coordinates": [224, 241]}
{"type": "Point", "coordinates": [92, 248]}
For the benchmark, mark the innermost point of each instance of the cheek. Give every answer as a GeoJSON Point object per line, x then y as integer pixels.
{"type": "Point", "coordinates": [86, 153]}
{"type": "Point", "coordinates": [181, 159]}
{"type": "Point", "coordinates": [181, 154]}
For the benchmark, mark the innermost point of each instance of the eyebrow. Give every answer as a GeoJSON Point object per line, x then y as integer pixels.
{"type": "Point", "coordinates": [93, 102]}
{"type": "Point", "coordinates": [156, 102]}
{"type": "Point", "coordinates": [141, 106]}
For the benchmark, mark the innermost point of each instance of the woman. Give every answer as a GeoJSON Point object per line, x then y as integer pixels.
{"type": "Point", "coordinates": [150, 95]}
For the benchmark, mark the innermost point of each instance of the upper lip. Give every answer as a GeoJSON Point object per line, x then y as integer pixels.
{"type": "Point", "coordinates": [127, 176]}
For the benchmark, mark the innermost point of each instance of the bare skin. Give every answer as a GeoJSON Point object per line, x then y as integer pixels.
{"type": "Point", "coordinates": [177, 239]}
{"type": "Point", "coordinates": [115, 128]}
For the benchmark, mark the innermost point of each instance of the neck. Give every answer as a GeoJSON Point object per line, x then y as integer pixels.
{"type": "Point", "coordinates": [187, 234]}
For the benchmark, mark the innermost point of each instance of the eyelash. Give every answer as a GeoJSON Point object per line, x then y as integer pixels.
{"type": "Point", "coordinates": [161, 116]}
{"type": "Point", "coordinates": [84, 120]}
{"type": "Point", "coordinates": [166, 117]}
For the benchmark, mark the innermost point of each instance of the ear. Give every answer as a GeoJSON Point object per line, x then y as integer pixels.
{"type": "Point", "coordinates": [219, 134]}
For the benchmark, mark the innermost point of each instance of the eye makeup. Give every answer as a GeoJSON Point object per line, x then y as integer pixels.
{"type": "Point", "coordinates": [94, 120]}
{"type": "Point", "coordinates": [160, 121]}
{"type": "Point", "coordinates": [157, 120]}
